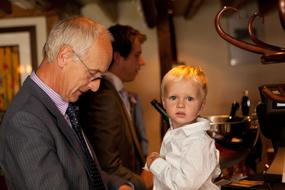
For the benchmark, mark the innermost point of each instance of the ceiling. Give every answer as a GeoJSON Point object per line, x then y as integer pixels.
{"type": "Point", "coordinates": [151, 8]}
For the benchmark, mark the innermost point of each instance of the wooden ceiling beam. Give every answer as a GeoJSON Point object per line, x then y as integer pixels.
{"type": "Point", "coordinates": [265, 6]}
{"type": "Point", "coordinates": [5, 7]}
{"type": "Point", "coordinates": [150, 12]}
{"type": "Point", "coordinates": [234, 3]}
{"type": "Point", "coordinates": [110, 8]}
{"type": "Point", "coordinates": [193, 6]}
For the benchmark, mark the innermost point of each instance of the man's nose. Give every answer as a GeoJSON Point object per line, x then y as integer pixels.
{"type": "Point", "coordinates": [94, 85]}
{"type": "Point", "coordinates": [142, 61]}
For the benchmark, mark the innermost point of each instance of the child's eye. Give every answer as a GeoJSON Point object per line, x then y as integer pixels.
{"type": "Point", "coordinates": [172, 97]}
{"type": "Point", "coordinates": [189, 98]}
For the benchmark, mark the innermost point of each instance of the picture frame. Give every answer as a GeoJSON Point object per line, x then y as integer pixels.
{"type": "Point", "coordinates": [30, 34]}
{"type": "Point", "coordinates": [22, 40]}
{"type": "Point", "coordinates": [21, 43]}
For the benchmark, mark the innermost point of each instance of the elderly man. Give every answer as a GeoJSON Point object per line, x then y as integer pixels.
{"type": "Point", "coordinates": [41, 143]}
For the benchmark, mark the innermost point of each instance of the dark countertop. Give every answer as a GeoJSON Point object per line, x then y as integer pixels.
{"type": "Point", "coordinates": [268, 184]}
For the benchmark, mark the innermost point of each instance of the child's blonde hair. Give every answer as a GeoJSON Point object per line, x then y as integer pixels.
{"type": "Point", "coordinates": [185, 72]}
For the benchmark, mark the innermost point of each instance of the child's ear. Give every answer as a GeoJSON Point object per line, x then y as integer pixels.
{"type": "Point", "coordinates": [202, 105]}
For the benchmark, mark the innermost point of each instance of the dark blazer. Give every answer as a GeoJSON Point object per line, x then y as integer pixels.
{"type": "Point", "coordinates": [38, 149]}
{"type": "Point", "coordinates": [138, 120]}
{"type": "Point", "coordinates": [111, 133]}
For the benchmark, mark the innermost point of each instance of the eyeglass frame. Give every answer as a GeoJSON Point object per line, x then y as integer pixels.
{"type": "Point", "coordinates": [92, 72]}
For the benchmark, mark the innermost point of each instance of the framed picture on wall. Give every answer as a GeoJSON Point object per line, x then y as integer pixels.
{"type": "Point", "coordinates": [21, 41]}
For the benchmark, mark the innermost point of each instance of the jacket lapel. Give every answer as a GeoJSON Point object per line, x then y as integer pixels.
{"type": "Point", "coordinates": [130, 125]}
{"type": "Point", "coordinates": [62, 124]}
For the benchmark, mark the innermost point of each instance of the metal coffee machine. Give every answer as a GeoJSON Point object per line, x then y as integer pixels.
{"type": "Point", "coordinates": [271, 117]}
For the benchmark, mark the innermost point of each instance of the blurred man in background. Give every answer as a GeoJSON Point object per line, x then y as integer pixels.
{"type": "Point", "coordinates": [112, 116]}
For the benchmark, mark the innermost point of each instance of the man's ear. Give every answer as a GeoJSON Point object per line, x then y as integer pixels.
{"type": "Point", "coordinates": [64, 55]}
{"type": "Point", "coordinates": [116, 57]}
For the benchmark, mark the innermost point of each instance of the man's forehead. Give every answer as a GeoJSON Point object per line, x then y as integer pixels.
{"type": "Point", "coordinates": [137, 46]}
{"type": "Point", "coordinates": [102, 55]}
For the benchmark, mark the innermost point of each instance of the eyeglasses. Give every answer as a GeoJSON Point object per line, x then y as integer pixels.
{"type": "Point", "coordinates": [93, 73]}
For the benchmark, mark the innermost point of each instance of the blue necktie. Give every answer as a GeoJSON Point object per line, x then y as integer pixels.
{"type": "Point", "coordinates": [97, 180]}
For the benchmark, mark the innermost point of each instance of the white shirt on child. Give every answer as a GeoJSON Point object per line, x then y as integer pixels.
{"type": "Point", "coordinates": [190, 160]}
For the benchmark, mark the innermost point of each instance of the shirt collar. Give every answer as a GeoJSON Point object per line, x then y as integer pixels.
{"type": "Point", "coordinates": [115, 80]}
{"type": "Point", "coordinates": [202, 124]}
{"type": "Point", "coordinates": [55, 97]}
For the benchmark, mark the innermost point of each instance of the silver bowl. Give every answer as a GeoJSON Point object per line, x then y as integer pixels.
{"type": "Point", "coordinates": [229, 132]}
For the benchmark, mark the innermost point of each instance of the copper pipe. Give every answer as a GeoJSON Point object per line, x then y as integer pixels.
{"type": "Point", "coordinates": [239, 43]}
{"type": "Point", "coordinates": [255, 39]}
{"type": "Point", "coordinates": [276, 57]}
{"type": "Point", "coordinates": [272, 96]}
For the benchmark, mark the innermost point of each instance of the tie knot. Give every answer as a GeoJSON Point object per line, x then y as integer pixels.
{"type": "Point", "coordinates": [71, 109]}
{"type": "Point", "coordinates": [72, 115]}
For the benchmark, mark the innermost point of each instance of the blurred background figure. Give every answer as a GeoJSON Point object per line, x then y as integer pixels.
{"type": "Point", "coordinates": [112, 116]}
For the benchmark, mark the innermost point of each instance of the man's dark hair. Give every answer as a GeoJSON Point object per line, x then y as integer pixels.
{"type": "Point", "coordinates": [123, 38]}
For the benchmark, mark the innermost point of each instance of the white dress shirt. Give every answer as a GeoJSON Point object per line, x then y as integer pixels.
{"type": "Point", "coordinates": [189, 160]}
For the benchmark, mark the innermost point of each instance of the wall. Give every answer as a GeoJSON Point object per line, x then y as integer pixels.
{"type": "Point", "coordinates": [199, 44]}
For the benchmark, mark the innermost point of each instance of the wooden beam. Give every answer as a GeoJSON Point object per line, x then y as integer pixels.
{"type": "Point", "coordinates": [167, 46]}
{"type": "Point", "coordinates": [265, 6]}
{"type": "Point", "coordinates": [192, 8]}
{"type": "Point", "coordinates": [150, 12]}
{"type": "Point", "coordinates": [234, 3]}
{"type": "Point", "coordinates": [164, 43]}
{"type": "Point", "coordinates": [110, 8]}
{"type": "Point", "coordinates": [5, 7]}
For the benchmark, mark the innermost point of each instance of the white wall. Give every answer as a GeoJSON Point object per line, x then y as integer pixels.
{"type": "Point", "coordinates": [199, 44]}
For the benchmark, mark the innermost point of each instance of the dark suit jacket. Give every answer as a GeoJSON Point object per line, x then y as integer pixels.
{"type": "Point", "coordinates": [111, 133]}
{"type": "Point", "coordinates": [138, 121]}
{"type": "Point", "coordinates": [38, 149]}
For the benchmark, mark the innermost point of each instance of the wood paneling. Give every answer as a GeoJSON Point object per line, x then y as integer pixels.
{"type": "Point", "coordinates": [5, 7]}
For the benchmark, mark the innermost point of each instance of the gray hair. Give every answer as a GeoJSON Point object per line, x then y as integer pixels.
{"type": "Point", "coordinates": [78, 32]}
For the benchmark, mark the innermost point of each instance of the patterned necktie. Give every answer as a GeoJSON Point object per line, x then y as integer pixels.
{"type": "Point", "coordinates": [97, 180]}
